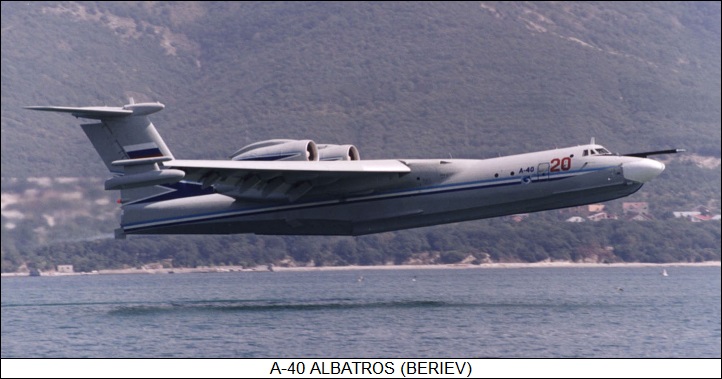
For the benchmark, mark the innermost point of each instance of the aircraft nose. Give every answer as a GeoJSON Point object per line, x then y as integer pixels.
{"type": "Point", "coordinates": [642, 170]}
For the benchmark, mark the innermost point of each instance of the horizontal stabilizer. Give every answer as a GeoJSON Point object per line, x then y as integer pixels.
{"type": "Point", "coordinates": [87, 112]}
{"type": "Point", "coordinates": [101, 113]}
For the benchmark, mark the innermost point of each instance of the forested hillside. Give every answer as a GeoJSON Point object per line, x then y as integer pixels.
{"type": "Point", "coordinates": [398, 80]}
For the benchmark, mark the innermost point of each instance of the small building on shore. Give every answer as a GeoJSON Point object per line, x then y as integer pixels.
{"type": "Point", "coordinates": [65, 269]}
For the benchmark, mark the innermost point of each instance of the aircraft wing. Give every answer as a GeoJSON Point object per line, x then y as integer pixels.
{"type": "Point", "coordinates": [289, 180]}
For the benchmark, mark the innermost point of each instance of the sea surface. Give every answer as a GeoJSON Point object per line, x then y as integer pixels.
{"type": "Point", "coordinates": [470, 313]}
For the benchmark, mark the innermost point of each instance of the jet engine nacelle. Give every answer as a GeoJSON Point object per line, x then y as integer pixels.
{"type": "Point", "coordinates": [278, 150]}
{"type": "Point", "coordinates": [338, 153]}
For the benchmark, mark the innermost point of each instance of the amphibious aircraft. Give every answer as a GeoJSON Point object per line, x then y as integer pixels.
{"type": "Point", "coordinates": [292, 187]}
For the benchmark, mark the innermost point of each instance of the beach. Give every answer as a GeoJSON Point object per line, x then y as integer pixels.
{"type": "Point", "coordinates": [465, 266]}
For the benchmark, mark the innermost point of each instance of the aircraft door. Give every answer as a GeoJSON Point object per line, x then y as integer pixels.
{"type": "Point", "coordinates": [542, 171]}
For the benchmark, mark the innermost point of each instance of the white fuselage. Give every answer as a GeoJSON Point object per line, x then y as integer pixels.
{"type": "Point", "coordinates": [433, 192]}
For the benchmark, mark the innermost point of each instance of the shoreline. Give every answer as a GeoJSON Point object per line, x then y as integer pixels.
{"type": "Point", "coordinates": [226, 269]}
{"type": "Point", "coordinates": [482, 266]}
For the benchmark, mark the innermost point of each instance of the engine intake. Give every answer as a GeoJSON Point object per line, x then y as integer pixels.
{"type": "Point", "coordinates": [278, 150]}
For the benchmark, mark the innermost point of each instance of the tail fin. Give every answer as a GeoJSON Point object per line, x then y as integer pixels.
{"type": "Point", "coordinates": [123, 132]}
{"type": "Point", "coordinates": [129, 145]}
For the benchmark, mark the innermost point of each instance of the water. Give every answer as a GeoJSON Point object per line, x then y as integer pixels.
{"type": "Point", "coordinates": [539, 312]}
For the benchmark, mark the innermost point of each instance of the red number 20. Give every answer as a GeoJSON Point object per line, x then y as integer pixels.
{"type": "Point", "coordinates": [563, 164]}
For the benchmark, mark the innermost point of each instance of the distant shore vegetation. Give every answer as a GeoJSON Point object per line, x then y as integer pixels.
{"type": "Point", "coordinates": [486, 241]}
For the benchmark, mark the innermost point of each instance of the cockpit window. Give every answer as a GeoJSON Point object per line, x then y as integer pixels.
{"type": "Point", "coordinates": [597, 151]}
{"type": "Point", "coordinates": [603, 151]}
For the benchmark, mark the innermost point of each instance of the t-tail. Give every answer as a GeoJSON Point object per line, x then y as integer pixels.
{"type": "Point", "coordinates": [130, 147]}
